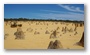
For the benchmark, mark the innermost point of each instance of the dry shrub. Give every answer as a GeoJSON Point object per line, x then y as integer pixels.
{"type": "Point", "coordinates": [14, 25]}
{"type": "Point", "coordinates": [20, 25]}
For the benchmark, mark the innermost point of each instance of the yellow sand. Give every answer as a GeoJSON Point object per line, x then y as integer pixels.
{"type": "Point", "coordinates": [41, 41]}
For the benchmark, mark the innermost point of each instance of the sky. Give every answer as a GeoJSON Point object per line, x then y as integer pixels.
{"type": "Point", "coordinates": [45, 11]}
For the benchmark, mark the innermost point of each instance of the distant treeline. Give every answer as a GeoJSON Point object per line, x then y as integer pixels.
{"type": "Point", "coordinates": [27, 19]}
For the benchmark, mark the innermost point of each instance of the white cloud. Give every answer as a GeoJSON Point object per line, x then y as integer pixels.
{"type": "Point", "coordinates": [49, 11]}
{"type": "Point", "coordinates": [71, 8]}
{"type": "Point", "coordinates": [68, 16]}
{"type": "Point", "coordinates": [54, 11]}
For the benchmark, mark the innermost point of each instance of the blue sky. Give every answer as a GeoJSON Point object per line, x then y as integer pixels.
{"type": "Point", "coordinates": [45, 11]}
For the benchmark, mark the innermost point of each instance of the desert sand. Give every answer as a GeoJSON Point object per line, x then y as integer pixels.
{"type": "Point", "coordinates": [37, 35]}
